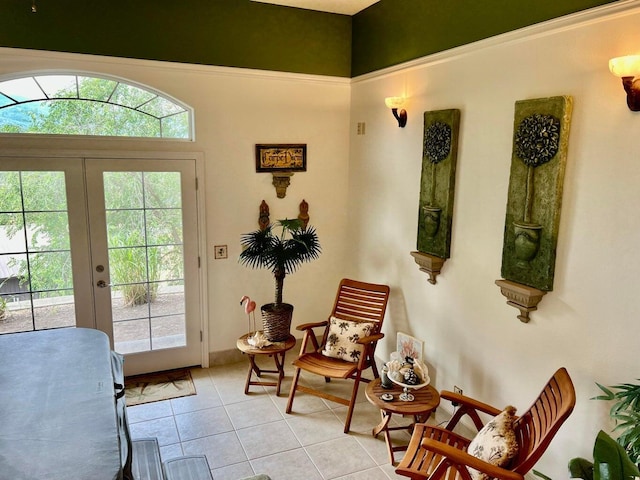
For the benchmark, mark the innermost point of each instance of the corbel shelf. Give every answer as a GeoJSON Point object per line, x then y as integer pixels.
{"type": "Point", "coordinates": [522, 297]}
{"type": "Point", "coordinates": [281, 181]}
{"type": "Point", "coordinates": [429, 264]}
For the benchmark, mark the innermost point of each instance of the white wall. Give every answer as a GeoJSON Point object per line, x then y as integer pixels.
{"type": "Point", "coordinates": [589, 322]}
{"type": "Point", "coordinates": [234, 110]}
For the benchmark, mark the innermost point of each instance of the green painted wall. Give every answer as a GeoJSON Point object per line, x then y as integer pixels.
{"type": "Point", "coordinates": [241, 33]}
{"type": "Point", "coordinates": [395, 31]}
{"type": "Point", "coordinates": [235, 33]}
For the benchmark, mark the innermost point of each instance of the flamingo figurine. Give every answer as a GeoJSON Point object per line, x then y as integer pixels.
{"type": "Point", "coordinates": [255, 338]}
{"type": "Point", "coordinates": [249, 308]}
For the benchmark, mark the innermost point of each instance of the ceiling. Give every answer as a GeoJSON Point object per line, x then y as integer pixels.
{"type": "Point", "coordinates": [346, 7]}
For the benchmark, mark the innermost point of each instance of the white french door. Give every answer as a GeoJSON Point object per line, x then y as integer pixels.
{"type": "Point", "coordinates": [104, 243]}
{"type": "Point", "coordinates": [144, 255]}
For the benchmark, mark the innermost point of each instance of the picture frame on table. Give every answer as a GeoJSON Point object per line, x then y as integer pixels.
{"type": "Point", "coordinates": [408, 346]}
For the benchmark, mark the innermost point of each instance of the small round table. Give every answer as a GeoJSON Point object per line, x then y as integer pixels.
{"type": "Point", "coordinates": [277, 350]}
{"type": "Point", "coordinates": [426, 401]}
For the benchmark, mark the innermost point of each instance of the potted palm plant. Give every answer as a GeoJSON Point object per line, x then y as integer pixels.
{"type": "Point", "coordinates": [282, 254]}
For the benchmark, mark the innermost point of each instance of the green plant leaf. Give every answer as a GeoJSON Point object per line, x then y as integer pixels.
{"type": "Point", "coordinates": [581, 468]}
{"type": "Point", "coordinates": [542, 475]}
{"type": "Point", "coordinates": [608, 394]}
{"type": "Point", "coordinates": [611, 461]}
{"type": "Point", "coordinates": [625, 411]}
{"type": "Point", "coordinates": [290, 223]}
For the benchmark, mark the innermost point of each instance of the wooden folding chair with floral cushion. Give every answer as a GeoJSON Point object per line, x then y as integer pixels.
{"type": "Point", "coordinates": [348, 342]}
{"type": "Point", "coordinates": [507, 447]}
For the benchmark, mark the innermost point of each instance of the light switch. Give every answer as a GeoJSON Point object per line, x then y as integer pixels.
{"type": "Point", "coordinates": [220, 252]}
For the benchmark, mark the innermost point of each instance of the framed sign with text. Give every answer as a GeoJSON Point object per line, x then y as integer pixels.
{"type": "Point", "coordinates": [281, 157]}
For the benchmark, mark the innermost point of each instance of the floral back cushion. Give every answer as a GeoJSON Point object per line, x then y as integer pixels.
{"type": "Point", "coordinates": [342, 338]}
{"type": "Point", "coordinates": [495, 443]}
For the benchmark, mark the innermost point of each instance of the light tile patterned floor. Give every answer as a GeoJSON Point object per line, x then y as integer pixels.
{"type": "Point", "coordinates": [243, 435]}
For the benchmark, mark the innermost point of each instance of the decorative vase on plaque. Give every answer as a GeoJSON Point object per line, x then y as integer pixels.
{"type": "Point", "coordinates": [527, 241]}
{"type": "Point", "coordinates": [431, 220]}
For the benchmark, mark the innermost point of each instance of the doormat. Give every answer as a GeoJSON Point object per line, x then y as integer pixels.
{"type": "Point", "coordinates": [154, 387]}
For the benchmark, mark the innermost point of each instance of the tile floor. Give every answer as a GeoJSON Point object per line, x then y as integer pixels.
{"type": "Point", "coordinates": [243, 435]}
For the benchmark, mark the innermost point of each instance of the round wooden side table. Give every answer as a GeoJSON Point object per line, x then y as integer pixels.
{"type": "Point", "coordinates": [426, 401]}
{"type": "Point", "coordinates": [277, 350]}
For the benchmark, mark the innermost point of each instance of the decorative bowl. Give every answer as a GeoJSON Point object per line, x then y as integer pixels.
{"type": "Point", "coordinates": [405, 395]}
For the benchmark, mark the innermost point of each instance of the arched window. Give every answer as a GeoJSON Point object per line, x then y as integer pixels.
{"type": "Point", "coordinates": [72, 104]}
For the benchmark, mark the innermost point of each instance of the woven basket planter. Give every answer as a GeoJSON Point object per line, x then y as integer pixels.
{"type": "Point", "coordinates": [276, 321]}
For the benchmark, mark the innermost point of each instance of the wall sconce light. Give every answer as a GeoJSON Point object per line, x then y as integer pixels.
{"type": "Point", "coordinates": [628, 68]}
{"type": "Point", "coordinates": [394, 103]}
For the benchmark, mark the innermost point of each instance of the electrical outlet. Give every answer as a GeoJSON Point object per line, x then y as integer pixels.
{"type": "Point", "coordinates": [361, 128]}
{"type": "Point", "coordinates": [458, 390]}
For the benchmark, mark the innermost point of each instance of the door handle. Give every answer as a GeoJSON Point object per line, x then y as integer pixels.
{"type": "Point", "coordinates": [103, 284]}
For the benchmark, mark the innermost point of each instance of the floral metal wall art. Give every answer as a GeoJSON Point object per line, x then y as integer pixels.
{"type": "Point", "coordinates": [437, 185]}
{"type": "Point", "coordinates": [536, 142]}
{"type": "Point", "coordinates": [437, 145]}
{"type": "Point", "coordinates": [540, 140]}
{"type": "Point", "coordinates": [438, 181]}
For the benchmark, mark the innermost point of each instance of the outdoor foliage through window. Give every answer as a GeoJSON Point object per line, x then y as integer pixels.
{"type": "Point", "coordinates": [35, 255]}
{"type": "Point", "coordinates": [82, 105]}
{"type": "Point", "coordinates": [145, 244]}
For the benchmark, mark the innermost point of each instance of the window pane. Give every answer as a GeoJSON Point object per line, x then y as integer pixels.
{"type": "Point", "coordinates": [10, 188]}
{"type": "Point", "coordinates": [35, 261]}
{"type": "Point", "coordinates": [21, 89]}
{"type": "Point", "coordinates": [123, 190]}
{"type": "Point", "coordinates": [56, 86]}
{"type": "Point", "coordinates": [53, 236]}
{"type": "Point", "coordinates": [167, 263]}
{"type": "Point", "coordinates": [168, 332]}
{"type": "Point", "coordinates": [164, 226]}
{"type": "Point", "coordinates": [11, 280]}
{"type": "Point", "coordinates": [12, 238]}
{"type": "Point", "coordinates": [176, 126]}
{"type": "Point", "coordinates": [130, 96]}
{"type": "Point", "coordinates": [50, 271]}
{"type": "Point", "coordinates": [131, 336]}
{"type": "Point", "coordinates": [161, 107]}
{"type": "Point", "coordinates": [4, 100]}
{"type": "Point", "coordinates": [169, 301]}
{"type": "Point", "coordinates": [96, 88]}
{"type": "Point", "coordinates": [44, 191]}
{"type": "Point", "coordinates": [128, 265]}
{"type": "Point", "coordinates": [125, 228]}
{"type": "Point", "coordinates": [18, 316]}
{"type": "Point", "coordinates": [81, 105]}
{"type": "Point", "coordinates": [50, 313]}
{"type": "Point", "coordinates": [162, 190]}
{"type": "Point", "coordinates": [19, 118]}
{"type": "Point", "coordinates": [79, 117]}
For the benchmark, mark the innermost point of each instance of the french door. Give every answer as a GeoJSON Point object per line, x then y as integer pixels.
{"type": "Point", "coordinates": [104, 243]}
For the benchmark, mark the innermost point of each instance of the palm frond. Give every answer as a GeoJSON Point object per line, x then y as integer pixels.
{"type": "Point", "coordinates": [281, 254]}
{"type": "Point", "coordinates": [254, 245]}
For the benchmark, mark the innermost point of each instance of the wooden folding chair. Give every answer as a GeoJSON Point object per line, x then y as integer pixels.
{"type": "Point", "coordinates": [439, 453]}
{"type": "Point", "coordinates": [355, 302]}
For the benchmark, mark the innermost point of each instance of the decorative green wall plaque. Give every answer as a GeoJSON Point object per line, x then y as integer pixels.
{"type": "Point", "coordinates": [437, 183]}
{"type": "Point", "coordinates": [540, 141]}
